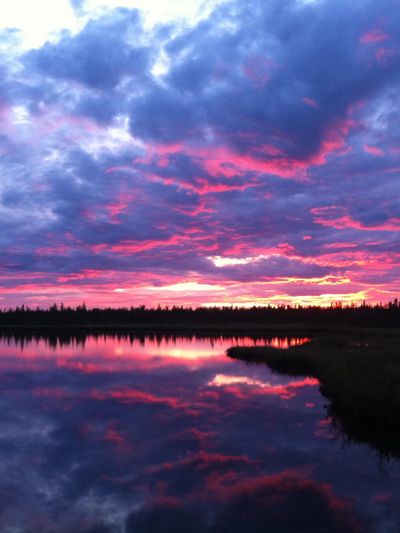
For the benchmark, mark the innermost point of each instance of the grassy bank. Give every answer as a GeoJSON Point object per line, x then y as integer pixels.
{"type": "Point", "coordinates": [360, 375]}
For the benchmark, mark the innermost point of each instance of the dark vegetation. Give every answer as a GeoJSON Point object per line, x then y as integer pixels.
{"type": "Point", "coordinates": [182, 317]}
{"type": "Point", "coordinates": [359, 375]}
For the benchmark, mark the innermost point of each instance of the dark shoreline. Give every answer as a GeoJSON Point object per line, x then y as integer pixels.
{"type": "Point", "coordinates": [358, 375]}
{"type": "Point", "coordinates": [234, 330]}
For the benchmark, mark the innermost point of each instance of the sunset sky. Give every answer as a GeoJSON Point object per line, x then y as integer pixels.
{"type": "Point", "coordinates": [177, 152]}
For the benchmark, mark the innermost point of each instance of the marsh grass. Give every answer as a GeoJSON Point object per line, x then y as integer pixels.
{"type": "Point", "coordinates": [359, 375]}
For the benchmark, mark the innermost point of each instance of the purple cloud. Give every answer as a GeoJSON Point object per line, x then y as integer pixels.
{"type": "Point", "coordinates": [267, 140]}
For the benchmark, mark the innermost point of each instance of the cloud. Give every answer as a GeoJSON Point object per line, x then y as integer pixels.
{"type": "Point", "coordinates": [98, 56]}
{"type": "Point", "coordinates": [209, 92]}
{"type": "Point", "coordinates": [286, 502]}
{"type": "Point", "coordinates": [146, 152]}
{"type": "Point", "coordinates": [165, 519]}
{"type": "Point", "coordinates": [77, 4]}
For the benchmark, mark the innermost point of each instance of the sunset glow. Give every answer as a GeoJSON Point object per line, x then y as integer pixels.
{"type": "Point", "coordinates": [199, 154]}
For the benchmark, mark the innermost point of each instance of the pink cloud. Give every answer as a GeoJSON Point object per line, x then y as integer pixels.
{"type": "Point", "coordinates": [374, 36]}
{"type": "Point", "coordinates": [79, 366]}
{"type": "Point", "coordinates": [60, 249]}
{"type": "Point", "coordinates": [84, 274]}
{"type": "Point", "coordinates": [258, 70]}
{"type": "Point", "coordinates": [333, 217]}
{"type": "Point", "coordinates": [383, 55]}
{"type": "Point", "coordinates": [340, 245]}
{"type": "Point", "coordinates": [373, 150]}
{"type": "Point", "coordinates": [204, 460]}
{"type": "Point", "coordinates": [119, 205]}
{"type": "Point", "coordinates": [221, 161]}
{"type": "Point", "coordinates": [137, 396]}
{"type": "Point", "coordinates": [334, 141]}
{"type": "Point", "coordinates": [115, 437]}
{"type": "Point", "coordinates": [311, 102]}
{"type": "Point", "coordinates": [55, 393]}
{"type": "Point", "coordinates": [243, 388]}
{"type": "Point", "coordinates": [132, 247]}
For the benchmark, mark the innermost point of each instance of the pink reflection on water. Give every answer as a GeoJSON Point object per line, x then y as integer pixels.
{"type": "Point", "coordinates": [118, 353]}
{"type": "Point", "coordinates": [243, 386]}
{"type": "Point", "coordinates": [287, 342]}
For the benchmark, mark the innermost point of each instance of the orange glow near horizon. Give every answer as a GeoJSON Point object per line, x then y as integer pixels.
{"type": "Point", "coordinates": [356, 276]}
{"type": "Point", "coordinates": [324, 293]}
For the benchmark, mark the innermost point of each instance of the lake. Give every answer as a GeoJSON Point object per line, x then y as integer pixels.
{"type": "Point", "coordinates": [162, 434]}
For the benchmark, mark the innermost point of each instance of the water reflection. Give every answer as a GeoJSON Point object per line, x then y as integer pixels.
{"type": "Point", "coordinates": [161, 434]}
{"type": "Point", "coordinates": [80, 339]}
{"type": "Point", "coordinates": [91, 353]}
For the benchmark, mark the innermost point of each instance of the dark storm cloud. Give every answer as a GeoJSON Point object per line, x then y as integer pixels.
{"type": "Point", "coordinates": [98, 56]}
{"type": "Point", "coordinates": [282, 72]}
{"type": "Point", "coordinates": [100, 109]}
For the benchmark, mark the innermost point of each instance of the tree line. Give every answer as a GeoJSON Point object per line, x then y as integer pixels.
{"type": "Point", "coordinates": [379, 315]}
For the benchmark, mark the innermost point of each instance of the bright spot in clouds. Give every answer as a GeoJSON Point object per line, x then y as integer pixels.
{"type": "Point", "coordinates": [42, 20]}
{"type": "Point", "coordinates": [188, 286]}
{"type": "Point", "coordinates": [221, 262]}
{"type": "Point", "coordinates": [156, 10]}
{"type": "Point", "coordinates": [221, 380]}
{"type": "Point", "coordinates": [37, 19]}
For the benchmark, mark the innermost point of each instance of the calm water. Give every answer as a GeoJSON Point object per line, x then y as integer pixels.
{"type": "Point", "coordinates": [162, 436]}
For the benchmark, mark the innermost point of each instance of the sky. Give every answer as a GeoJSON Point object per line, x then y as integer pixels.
{"type": "Point", "coordinates": [177, 152]}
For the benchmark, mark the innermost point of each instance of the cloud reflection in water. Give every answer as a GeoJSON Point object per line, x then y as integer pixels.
{"type": "Point", "coordinates": [148, 435]}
